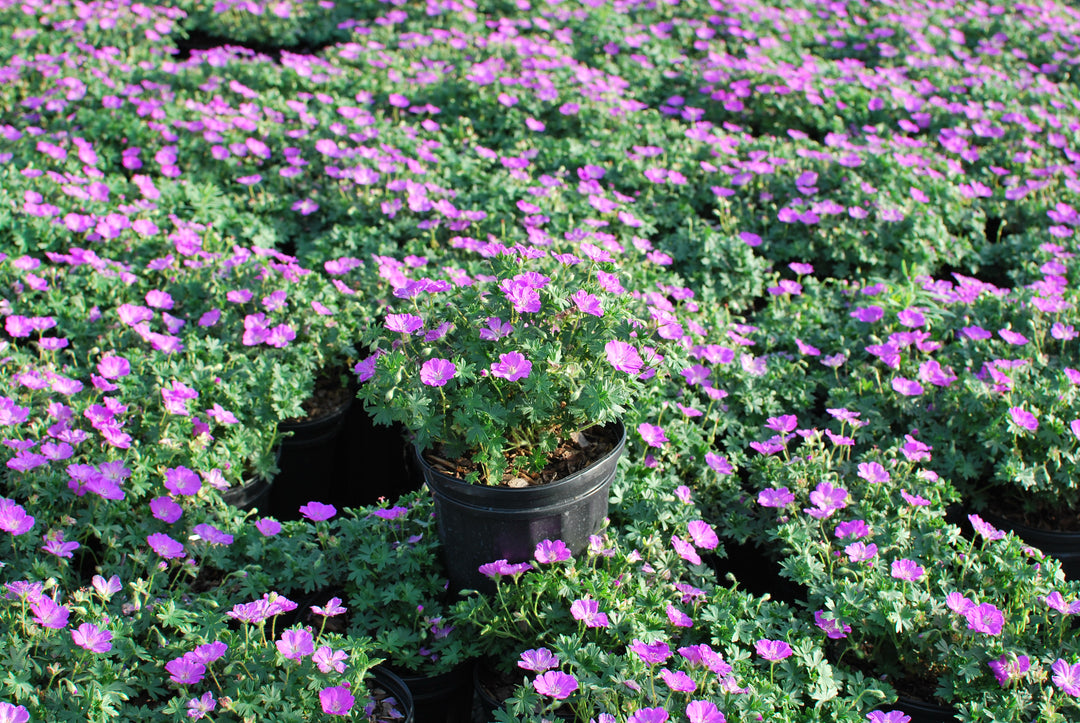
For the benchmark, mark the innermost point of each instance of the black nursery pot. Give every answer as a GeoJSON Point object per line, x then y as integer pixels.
{"type": "Point", "coordinates": [479, 524]}
{"type": "Point", "coordinates": [395, 687]}
{"type": "Point", "coordinates": [253, 493]}
{"type": "Point", "coordinates": [308, 464]}
{"type": "Point", "coordinates": [923, 712]}
{"type": "Point", "coordinates": [1065, 546]}
{"type": "Point", "coordinates": [444, 698]}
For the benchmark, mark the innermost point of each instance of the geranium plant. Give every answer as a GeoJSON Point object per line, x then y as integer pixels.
{"type": "Point", "coordinates": [502, 367]}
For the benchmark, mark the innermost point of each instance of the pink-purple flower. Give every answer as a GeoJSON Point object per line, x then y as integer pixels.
{"type": "Point", "coordinates": [548, 551]}
{"type": "Point", "coordinates": [92, 638]}
{"type": "Point", "coordinates": [336, 700]}
{"type": "Point", "coordinates": [772, 650]}
{"type": "Point", "coordinates": [555, 684]}
{"type": "Point", "coordinates": [904, 569]}
{"type": "Point", "coordinates": [437, 372]}
{"type": "Point", "coordinates": [511, 366]}
{"type": "Point", "coordinates": [538, 660]}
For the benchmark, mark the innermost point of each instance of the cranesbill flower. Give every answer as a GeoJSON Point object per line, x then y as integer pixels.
{"type": "Point", "coordinates": [1056, 601]}
{"type": "Point", "coordinates": [176, 396]}
{"type": "Point", "coordinates": [538, 660]}
{"type": "Point", "coordinates": [587, 303]}
{"type": "Point", "coordinates": [826, 500]}
{"type": "Point", "coordinates": [651, 654]}
{"type": "Point", "coordinates": [332, 608]}
{"type": "Point", "coordinates": [165, 546]}
{"type": "Point", "coordinates": [327, 659]}
{"type": "Point", "coordinates": [648, 715]}
{"type": "Point", "coordinates": [779, 497]}
{"type": "Point", "coordinates": [678, 618]}
{"type": "Point", "coordinates": [551, 551]}
{"type": "Point", "coordinates": [906, 387]}
{"type": "Point", "coordinates": [860, 551]}
{"type": "Point", "coordinates": [873, 472]}
{"type": "Point", "coordinates": [336, 700]}
{"type": "Point", "coordinates": [48, 613]}
{"type": "Point", "coordinates": [11, 713]}
{"type": "Point", "coordinates": [502, 567]}
{"type": "Point", "coordinates": [704, 711]}
{"type": "Point", "coordinates": [686, 550]}
{"type": "Point", "coordinates": [198, 708]}
{"type": "Point", "coordinates": [295, 644]}
{"type": "Point", "coordinates": [773, 650]}
{"type": "Point", "coordinates": [703, 535]}
{"type": "Point", "coordinates": [678, 680]}
{"type": "Point", "coordinates": [92, 638]}
{"type": "Point", "coordinates": [1066, 677]}
{"type": "Point", "coordinates": [892, 716]}
{"type": "Point", "coordinates": [268, 526]}
{"type": "Point", "coordinates": [854, 529]}
{"type": "Point", "coordinates": [652, 434]}
{"type": "Point", "coordinates": [1023, 418]}
{"type": "Point", "coordinates": [209, 652]}
{"type": "Point", "coordinates": [904, 569]}
{"type": "Point", "coordinates": [213, 535]}
{"type": "Point", "coordinates": [985, 618]}
{"type": "Point", "coordinates": [988, 531]}
{"type": "Point", "coordinates": [588, 612]}
{"type": "Point", "coordinates": [437, 372]}
{"type": "Point", "coordinates": [511, 367]}
{"type": "Point", "coordinates": [1007, 669]}
{"type": "Point", "coordinates": [182, 481]}
{"type": "Point", "coordinates": [404, 323]}
{"type": "Point", "coordinates": [107, 588]}
{"type": "Point", "coordinates": [185, 670]}
{"type": "Point", "coordinates": [317, 511]}
{"type": "Point", "coordinates": [623, 356]}
{"type": "Point", "coordinates": [718, 463]}
{"type": "Point", "coordinates": [555, 684]}
{"type": "Point", "coordinates": [55, 545]}
{"type": "Point", "coordinates": [13, 517]}
{"type": "Point", "coordinates": [832, 627]}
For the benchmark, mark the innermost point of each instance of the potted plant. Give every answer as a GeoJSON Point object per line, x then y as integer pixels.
{"type": "Point", "coordinates": [511, 383]}
{"type": "Point", "coordinates": [971, 625]}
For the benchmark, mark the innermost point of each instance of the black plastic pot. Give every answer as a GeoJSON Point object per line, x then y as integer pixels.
{"type": "Point", "coordinates": [921, 711]}
{"type": "Point", "coordinates": [1065, 546]}
{"type": "Point", "coordinates": [396, 688]}
{"type": "Point", "coordinates": [253, 493]}
{"type": "Point", "coordinates": [479, 524]}
{"type": "Point", "coordinates": [308, 469]}
{"type": "Point", "coordinates": [444, 698]}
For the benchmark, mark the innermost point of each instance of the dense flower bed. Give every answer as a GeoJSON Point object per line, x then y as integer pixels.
{"type": "Point", "coordinates": [818, 257]}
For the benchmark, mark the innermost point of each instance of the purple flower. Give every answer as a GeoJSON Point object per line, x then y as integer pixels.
{"type": "Point", "coordinates": [780, 497]}
{"type": "Point", "coordinates": [860, 551]}
{"type": "Point", "coordinates": [176, 396]}
{"type": "Point", "coordinates": [1066, 677]}
{"type": "Point", "coordinates": [704, 711]}
{"type": "Point", "coordinates": [648, 715]}
{"type": "Point", "coordinates": [198, 708]}
{"type": "Point", "coordinates": [984, 618]}
{"type": "Point", "coordinates": [1023, 418]}
{"type": "Point", "coordinates": [651, 654]}
{"type": "Point", "coordinates": [55, 545]}
{"type": "Point", "coordinates": [165, 509]}
{"type": "Point", "coordinates": [332, 608]}
{"type": "Point", "coordinates": [165, 546]}
{"type": "Point", "coordinates": [1012, 337]}
{"type": "Point", "coordinates": [404, 323]}
{"type": "Point", "coordinates": [13, 517]}
{"type": "Point", "coordinates": [826, 500]}
{"type": "Point", "coordinates": [678, 618]}
{"type": "Point", "coordinates": [185, 670]}
{"type": "Point", "coordinates": [209, 652]}
{"type": "Point", "coordinates": [703, 535]}
{"type": "Point", "coordinates": [686, 550]}
{"type": "Point", "coordinates": [437, 372]}
{"type": "Point", "coordinates": [92, 638]}
{"type": "Point", "coordinates": [212, 534]}
{"type": "Point", "coordinates": [832, 627]}
{"type": "Point", "coordinates": [538, 660]}
{"type": "Point", "coordinates": [502, 567]}
{"type": "Point", "coordinates": [892, 716]}
{"type": "Point", "coordinates": [327, 659]}
{"type": "Point", "coordinates": [182, 481]}
{"type": "Point", "coordinates": [718, 463]}
{"type": "Point", "coordinates": [296, 644]}
{"type": "Point", "coordinates": [851, 528]}
{"type": "Point", "coordinates": [906, 387]}
{"type": "Point", "coordinates": [587, 303]}
{"type": "Point", "coordinates": [904, 569]}
{"type": "Point", "coordinates": [588, 612]}
{"type": "Point", "coordinates": [511, 367]}
{"type": "Point", "coordinates": [873, 472]}
{"type": "Point", "coordinates": [985, 529]}
{"type": "Point", "coordinates": [551, 551]}
{"type": "Point", "coordinates": [652, 434]}
{"type": "Point", "coordinates": [1007, 669]}
{"type": "Point", "coordinates": [868, 314]}
{"type": "Point", "coordinates": [623, 356]}
{"type": "Point", "coordinates": [107, 588]}
{"type": "Point", "coordinates": [678, 681]}
{"type": "Point", "coordinates": [317, 511]}
{"type": "Point", "coordinates": [336, 700]}
{"type": "Point", "coordinates": [113, 367]}
{"type": "Point", "coordinates": [268, 526]}
{"type": "Point", "coordinates": [11, 713]}
{"type": "Point", "coordinates": [772, 650]}
{"type": "Point", "coordinates": [555, 684]}
{"type": "Point", "coordinates": [48, 613]}
{"type": "Point", "coordinates": [522, 296]}
{"type": "Point", "coordinates": [1056, 601]}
